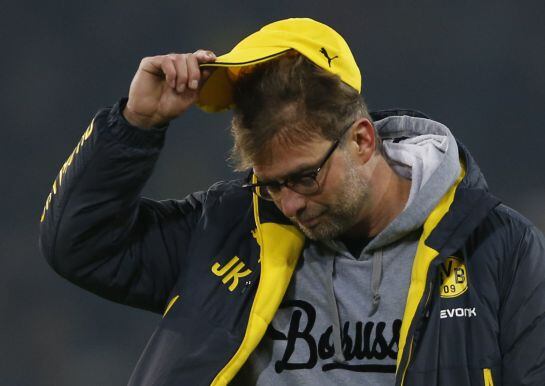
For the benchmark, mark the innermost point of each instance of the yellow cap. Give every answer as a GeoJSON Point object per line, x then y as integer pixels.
{"type": "Point", "coordinates": [316, 41]}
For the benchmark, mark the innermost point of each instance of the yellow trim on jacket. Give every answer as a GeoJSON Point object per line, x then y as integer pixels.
{"type": "Point", "coordinates": [422, 260]}
{"type": "Point", "coordinates": [281, 246]}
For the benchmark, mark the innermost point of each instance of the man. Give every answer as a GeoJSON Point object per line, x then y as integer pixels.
{"type": "Point", "coordinates": [362, 249]}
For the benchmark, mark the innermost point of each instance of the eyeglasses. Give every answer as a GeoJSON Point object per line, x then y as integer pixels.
{"type": "Point", "coordinates": [305, 183]}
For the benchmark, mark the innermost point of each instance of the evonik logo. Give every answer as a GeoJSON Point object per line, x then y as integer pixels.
{"type": "Point", "coordinates": [458, 313]}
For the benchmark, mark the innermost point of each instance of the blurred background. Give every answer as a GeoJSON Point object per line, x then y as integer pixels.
{"type": "Point", "coordinates": [478, 67]}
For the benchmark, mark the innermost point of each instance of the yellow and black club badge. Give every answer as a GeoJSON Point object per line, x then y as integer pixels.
{"type": "Point", "coordinates": [453, 277]}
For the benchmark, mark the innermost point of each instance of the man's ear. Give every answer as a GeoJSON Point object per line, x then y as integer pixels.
{"type": "Point", "coordinates": [363, 139]}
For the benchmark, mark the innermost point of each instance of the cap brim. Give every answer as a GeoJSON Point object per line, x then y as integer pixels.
{"type": "Point", "coordinates": [217, 92]}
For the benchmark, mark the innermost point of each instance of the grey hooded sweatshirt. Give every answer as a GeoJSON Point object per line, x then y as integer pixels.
{"type": "Point", "coordinates": [340, 319]}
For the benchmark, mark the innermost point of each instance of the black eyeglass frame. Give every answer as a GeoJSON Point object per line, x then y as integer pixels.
{"type": "Point", "coordinates": [291, 182]}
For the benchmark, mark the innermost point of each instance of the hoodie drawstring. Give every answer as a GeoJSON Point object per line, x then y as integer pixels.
{"type": "Point", "coordinates": [376, 278]}
{"type": "Point", "coordinates": [335, 317]}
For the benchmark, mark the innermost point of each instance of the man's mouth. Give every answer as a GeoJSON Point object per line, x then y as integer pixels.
{"type": "Point", "coordinates": [309, 222]}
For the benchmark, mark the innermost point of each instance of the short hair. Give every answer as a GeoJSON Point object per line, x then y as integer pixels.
{"type": "Point", "coordinates": [291, 100]}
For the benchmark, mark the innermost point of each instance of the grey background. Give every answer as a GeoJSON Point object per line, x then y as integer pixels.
{"type": "Point", "coordinates": [478, 67]}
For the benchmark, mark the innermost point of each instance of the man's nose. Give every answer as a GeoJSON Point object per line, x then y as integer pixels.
{"type": "Point", "coordinates": [291, 202]}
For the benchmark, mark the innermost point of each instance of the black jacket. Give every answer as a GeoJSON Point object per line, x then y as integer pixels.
{"type": "Point", "coordinates": [216, 265]}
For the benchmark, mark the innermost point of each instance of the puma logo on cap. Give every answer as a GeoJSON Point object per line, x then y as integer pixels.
{"type": "Point", "coordinates": [329, 60]}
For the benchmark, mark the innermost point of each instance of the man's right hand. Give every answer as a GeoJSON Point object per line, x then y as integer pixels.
{"type": "Point", "coordinates": [164, 87]}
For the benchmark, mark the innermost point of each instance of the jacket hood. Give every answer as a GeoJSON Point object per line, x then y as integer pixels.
{"type": "Point", "coordinates": [474, 179]}
{"type": "Point", "coordinates": [426, 152]}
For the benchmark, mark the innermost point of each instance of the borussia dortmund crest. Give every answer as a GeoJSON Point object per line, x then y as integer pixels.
{"type": "Point", "coordinates": [453, 277]}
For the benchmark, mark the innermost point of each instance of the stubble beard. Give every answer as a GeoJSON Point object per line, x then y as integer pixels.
{"type": "Point", "coordinates": [342, 214]}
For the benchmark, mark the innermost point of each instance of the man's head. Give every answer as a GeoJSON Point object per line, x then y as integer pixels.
{"type": "Point", "coordinates": [292, 117]}
{"type": "Point", "coordinates": [299, 122]}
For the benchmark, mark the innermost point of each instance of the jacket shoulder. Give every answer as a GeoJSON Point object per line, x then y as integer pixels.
{"type": "Point", "coordinates": [510, 229]}
{"type": "Point", "coordinates": [514, 229]}
{"type": "Point", "coordinates": [223, 192]}
{"type": "Point", "coordinates": [506, 213]}
{"type": "Point", "coordinates": [223, 199]}
{"type": "Point", "coordinates": [517, 245]}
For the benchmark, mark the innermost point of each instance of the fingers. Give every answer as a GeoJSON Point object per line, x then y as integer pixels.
{"type": "Point", "coordinates": [180, 63]}
{"type": "Point", "coordinates": [181, 71]}
{"type": "Point", "coordinates": [160, 66]}
{"type": "Point", "coordinates": [193, 72]}
{"type": "Point", "coordinates": [170, 72]}
{"type": "Point", "coordinates": [204, 56]}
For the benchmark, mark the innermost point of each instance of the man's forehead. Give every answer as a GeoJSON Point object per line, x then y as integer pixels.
{"type": "Point", "coordinates": [293, 139]}
{"type": "Point", "coordinates": [281, 159]}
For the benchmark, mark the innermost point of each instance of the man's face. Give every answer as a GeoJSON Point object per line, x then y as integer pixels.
{"type": "Point", "coordinates": [339, 203]}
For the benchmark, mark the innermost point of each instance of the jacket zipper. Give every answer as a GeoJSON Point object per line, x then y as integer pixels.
{"type": "Point", "coordinates": [411, 346]}
{"type": "Point", "coordinates": [487, 375]}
